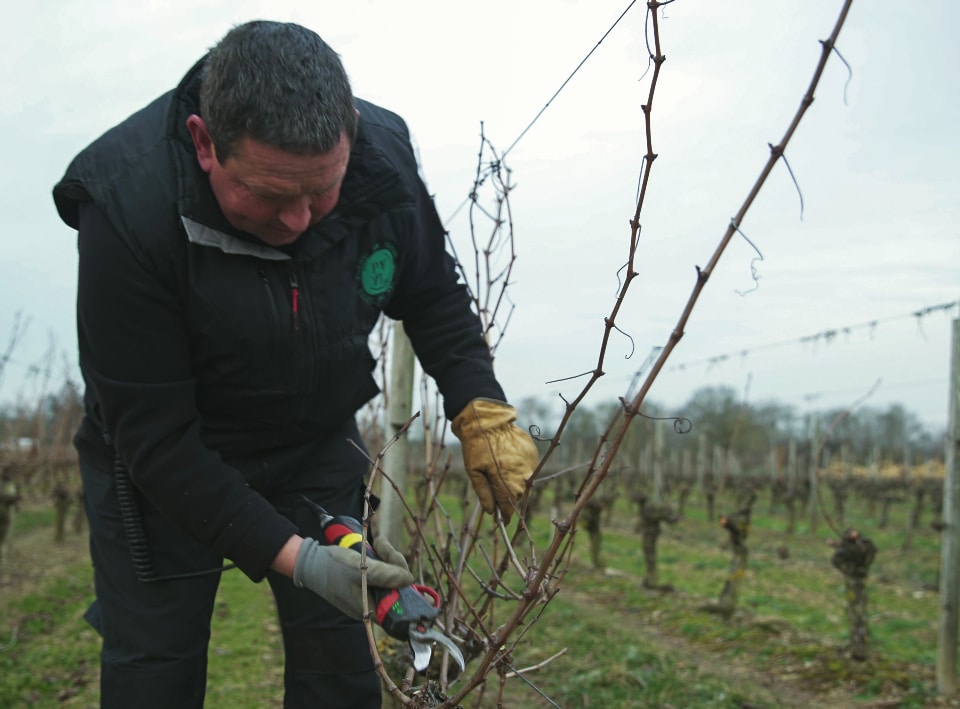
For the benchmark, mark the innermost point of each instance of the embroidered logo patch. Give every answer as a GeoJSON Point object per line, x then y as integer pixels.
{"type": "Point", "coordinates": [376, 272]}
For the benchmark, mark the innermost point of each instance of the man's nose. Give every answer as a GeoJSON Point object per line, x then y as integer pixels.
{"type": "Point", "coordinates": [295, 215]}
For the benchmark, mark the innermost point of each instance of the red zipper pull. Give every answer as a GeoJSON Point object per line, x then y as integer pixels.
{"type": "Point", "coordinates": [295, 300]}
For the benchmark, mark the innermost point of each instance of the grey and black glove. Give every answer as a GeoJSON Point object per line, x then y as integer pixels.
{"type": "Point", "coordinates": [333, 573]}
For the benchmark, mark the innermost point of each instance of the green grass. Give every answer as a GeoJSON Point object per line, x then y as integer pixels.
{"type": "Point", "coordinates": [792, 611]}
{"type": "Point", "coordinates": [604, 667]}
{"type": "Point", "coordinates": [54, 657]}
{"type": "Point", "coordinates": [51, 651]}
{"type": "Point", "coordinates": [246, 653]}
{"type": "Point", "coordinates": [33, 518]}
{"type": "Point", "coordinates": [624, 645]}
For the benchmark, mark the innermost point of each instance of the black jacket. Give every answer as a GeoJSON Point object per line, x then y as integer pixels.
{"type": "Point", "coordinates": [203, 349]}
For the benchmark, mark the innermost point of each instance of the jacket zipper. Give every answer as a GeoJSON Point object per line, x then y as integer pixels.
{"type": "Point", "coordinates": [295, 300]}
{"type": "Point", "coordinates": [302, 344]}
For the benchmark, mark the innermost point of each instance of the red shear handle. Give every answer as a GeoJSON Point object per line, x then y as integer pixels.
{"type": "Point", "coordinates": [427, 591]}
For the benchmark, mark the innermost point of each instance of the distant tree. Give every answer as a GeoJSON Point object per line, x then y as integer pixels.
{"type": "Point", "coordinates": [532, 411]}
{"type": "Point", "coordinates": [735, 425]}
{"type": "Point", "coordinates": [582, 434]}
{"type": "Point", "coordinates": [893, 432]}
{"type": "Point", "coordinates": [778, 421]}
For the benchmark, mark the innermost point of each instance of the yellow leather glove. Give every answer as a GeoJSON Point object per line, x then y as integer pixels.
{"type": "Point", "coordinates": [498, 455]}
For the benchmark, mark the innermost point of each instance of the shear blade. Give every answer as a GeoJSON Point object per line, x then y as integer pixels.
{"type": "Point", "coordinates": [422, 639]}
{"type": "Point", "coordinates": [421, 655]}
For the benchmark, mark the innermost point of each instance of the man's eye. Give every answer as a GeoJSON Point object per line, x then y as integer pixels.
{"type": "Point", "coordinates": [253, 194]}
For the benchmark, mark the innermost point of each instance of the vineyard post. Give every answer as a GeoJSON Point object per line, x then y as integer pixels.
{"type": "Point", "coordinates": [950, 538]}
{"type": "Point", "coordinates": [658, 493]}
{"type": "Point", "coordinates": [701, 463]}
{"type": "Point", "coordinates": [399, 408]}
{"type": "Point", "coordinates": [789, 499]}
{"type": "Point", "coordinates": [843, 487]}
{"type": "Point", "coordinates": [812, 507]}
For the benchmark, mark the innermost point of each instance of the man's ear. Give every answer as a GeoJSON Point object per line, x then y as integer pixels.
{"type": "Point", "coordinates": [202, 142]}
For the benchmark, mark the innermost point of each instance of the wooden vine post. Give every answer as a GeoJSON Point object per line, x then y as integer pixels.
{"type": "Point", "coordinates": [840, 485]}
{"type": "Point", "coordinates": [399, 409]}
{"type": "Point", "coordinates": [918, 488]}
{"type": "Point", "coordinates": [950, 539]}
{"type": "Point", "coordinates": [658, 492]}
{"type": "Point", "coordinates": [813, 512]}
{"type": "Point", "coordinates": [790, 497]}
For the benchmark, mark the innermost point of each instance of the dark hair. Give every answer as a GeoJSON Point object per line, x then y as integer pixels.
{"type": "Point", "coordinates": [279, 84]}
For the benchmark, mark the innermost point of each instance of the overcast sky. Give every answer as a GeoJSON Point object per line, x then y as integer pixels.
{"type": "Point", "coordinates": [877, 240]}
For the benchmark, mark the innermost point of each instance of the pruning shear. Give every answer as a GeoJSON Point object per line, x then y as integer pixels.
{"type": "Point", "coordinates": [407, 613]}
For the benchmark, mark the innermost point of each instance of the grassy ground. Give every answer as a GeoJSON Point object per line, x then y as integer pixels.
{"type": "Point", "coordinates": [622, 645]}
{"type": "Point", "coordinates": [49, 655]}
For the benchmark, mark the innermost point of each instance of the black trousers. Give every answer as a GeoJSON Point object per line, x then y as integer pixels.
{"type": "Point", "coordinates": [155, 635]}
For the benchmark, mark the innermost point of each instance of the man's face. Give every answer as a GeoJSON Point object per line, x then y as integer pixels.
{"type": "Point", "coordinates": [270, 193]}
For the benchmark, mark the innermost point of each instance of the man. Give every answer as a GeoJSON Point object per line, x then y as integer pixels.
{"type": "Point", "coordinates": [238, 239]}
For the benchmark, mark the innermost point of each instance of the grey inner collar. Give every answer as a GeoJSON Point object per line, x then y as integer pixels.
{"type": "Point", "coordinates": [203, 235]}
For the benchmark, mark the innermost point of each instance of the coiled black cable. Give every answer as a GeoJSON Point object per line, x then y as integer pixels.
{"type": "Point", "coordinates": [136, 535]}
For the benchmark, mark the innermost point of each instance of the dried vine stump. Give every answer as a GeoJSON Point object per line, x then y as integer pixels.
{"type": "Point", "coordinates": [738, 526]}
{"type": "Point", "coordinates": [852, 556]}
{"type": "Point", "coordinates": [591, 514]}
{"type": "Point", "coordinates": [652, 517]}
{"type": "Point", "coordinates": [9, 497]}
